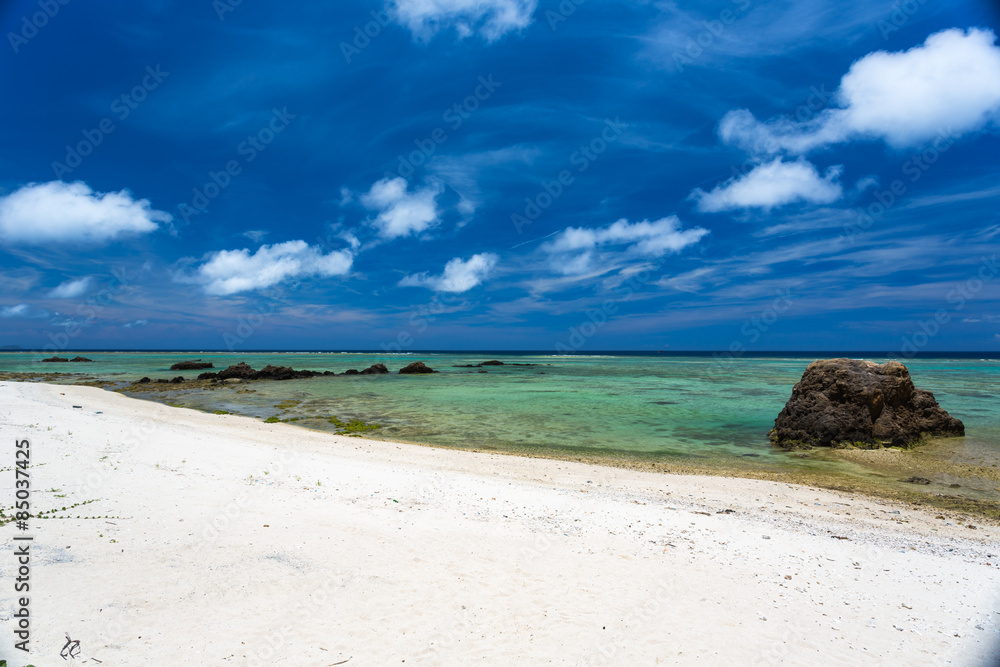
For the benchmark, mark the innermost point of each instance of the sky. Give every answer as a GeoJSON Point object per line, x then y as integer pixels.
{"type": "Point", "coordinates": [583, 175]}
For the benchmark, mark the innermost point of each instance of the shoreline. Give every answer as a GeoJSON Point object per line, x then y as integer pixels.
{"type": "Point", "coordinates": [882, 469]}
{"type": "Point", "coordinates": [403, 552]}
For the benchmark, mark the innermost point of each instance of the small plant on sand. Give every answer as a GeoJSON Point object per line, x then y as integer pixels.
{"type": "Point", "coordinates": [221, 412]}
{"type": "Point", "coordinates": [271, 420]}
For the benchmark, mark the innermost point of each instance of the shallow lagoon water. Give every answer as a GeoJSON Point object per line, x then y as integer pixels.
{"type": "Point", "coordinates": [679, 409]}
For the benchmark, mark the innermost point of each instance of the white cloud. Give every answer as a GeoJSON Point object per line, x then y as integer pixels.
{"type": "Point", "coordinates": [20, 310]}
{"type": "Point", "coordinates": [137, 323]}
{"type": "Point", "coordinates": [459, 275]}
{"type": "Point", "coordinates": [774, 183]}
{"type": "Point", "coordinates": [71, 288]}
{"type": "Point", "coordinates": [573, 250]}
{"type": "Point", "coordinates": [24, 310]}
{"type": "Point", "coordinates": [58, 212]}
{"type": "Point", "coordinates": [255, 235]}
{"type": "Point", "coordinates": [401, 212]}
{"type": "Point", "coordinates": [490, 18]}
{"type": "Point", "coordinates": [950, 84]}
{"type": "Point", "coordinates": [232, 271]}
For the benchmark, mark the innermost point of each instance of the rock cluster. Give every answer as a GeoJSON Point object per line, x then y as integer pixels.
{"type": "Point", "coordinates": [492, 362]}
{"type": "Point", "coordinates": [195, 365]}
{"type": "Point", "coordinates": [243, 372]}
{"type": "Point", "coordinates": [849, 402]}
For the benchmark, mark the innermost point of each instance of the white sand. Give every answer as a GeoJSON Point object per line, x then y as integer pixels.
{"type": "Point", "coordinates": [235, 542]}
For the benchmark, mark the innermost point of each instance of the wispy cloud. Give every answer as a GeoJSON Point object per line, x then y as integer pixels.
{"type": "Point", "coordinates": [71, 289]}
{"type": "Point", "coordinates": [576, 250]}
{"type": "Point", "coordinates": [490, 18]}
{"type": "Point", "coordinates": [24, 310]}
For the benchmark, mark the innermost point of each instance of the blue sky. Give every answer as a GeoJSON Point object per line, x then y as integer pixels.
{"type": "Point", "coordinates": [501, 174]}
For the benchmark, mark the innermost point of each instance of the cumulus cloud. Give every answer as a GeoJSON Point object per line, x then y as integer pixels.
{"type": "Point", "coordinates": [58, 212]}
{"type": "Point", "coordinates": [233, 271]}
{"type": "Point", "coordinates": [950, 84]}
{"type": "Point", "coordinates": [492, 19]}
{"type": "Point", "coordinates": [573, 250]}
{"type": "Point", "coordinates": [71, 288]}
{"type": "Point", "coordinates": [774, 183]}
{"type": "Point", "coordinates": [460, 275]}
{"type": "Point", "coordinates": [401, 212]}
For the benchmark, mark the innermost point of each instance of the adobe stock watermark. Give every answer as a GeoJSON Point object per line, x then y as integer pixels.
{"type": "Point", "coordinates": [268, 303]}
{"type": "Point", "coordinates": [223, 7]}
{"type": "Point", "coordinates": [901, 13]}
{"type": "Point", "coordinates": [121, 107]}
{"type": "Point", "coordinates": [454, 116]}
{"type": "Point", "coordinates": [38, 20]}
{"type": "Point", "coordinates": [914, 168]}
{"type": "Point", "coordinates": [419, 321]}
{"type": "Point", "coordinates": [596, 318]}
{"type": "Point", "coordinates": [248, 150]}
{"type": "Point", "coordinates": [562, 12]}
{"type": "Point", "coordinates": [752, 330]}
{"type": "Point", "coordinates": [120, 281]}
{"type": "Point", "coordinates": [815, 102]}
{"type": "Point", "coordinates": [642, 614]}
{"type": "Point", "coordinates": [696, 46]}
{"type": "Point", "coordinates": [582, 158]}
{"type": "Point", "coordinates": [265, 306]}
{"type": "Point", "coordinates": [957, 298]}
{"type": "Point", "coordinates": [364, 34]}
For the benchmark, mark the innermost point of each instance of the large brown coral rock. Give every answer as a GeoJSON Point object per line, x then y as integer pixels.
{"type": "Point", "coordinates": [854, 402]}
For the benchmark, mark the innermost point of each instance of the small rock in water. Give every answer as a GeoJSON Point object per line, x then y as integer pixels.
{"type": "Point", "coordinates": [195, 365]}
{"type": "Point", "coordinates": [416, 367]}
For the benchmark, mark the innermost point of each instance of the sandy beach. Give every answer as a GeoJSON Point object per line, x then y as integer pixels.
{"type": "Point", "coordinates": [221, 540]}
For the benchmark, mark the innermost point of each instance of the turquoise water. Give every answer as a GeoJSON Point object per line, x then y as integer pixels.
{"type": "Point", "coordinates": [653, 408]}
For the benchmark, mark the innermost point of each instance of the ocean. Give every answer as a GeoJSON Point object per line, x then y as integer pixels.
{"type": "Point", "coordinates": [689, 411]}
